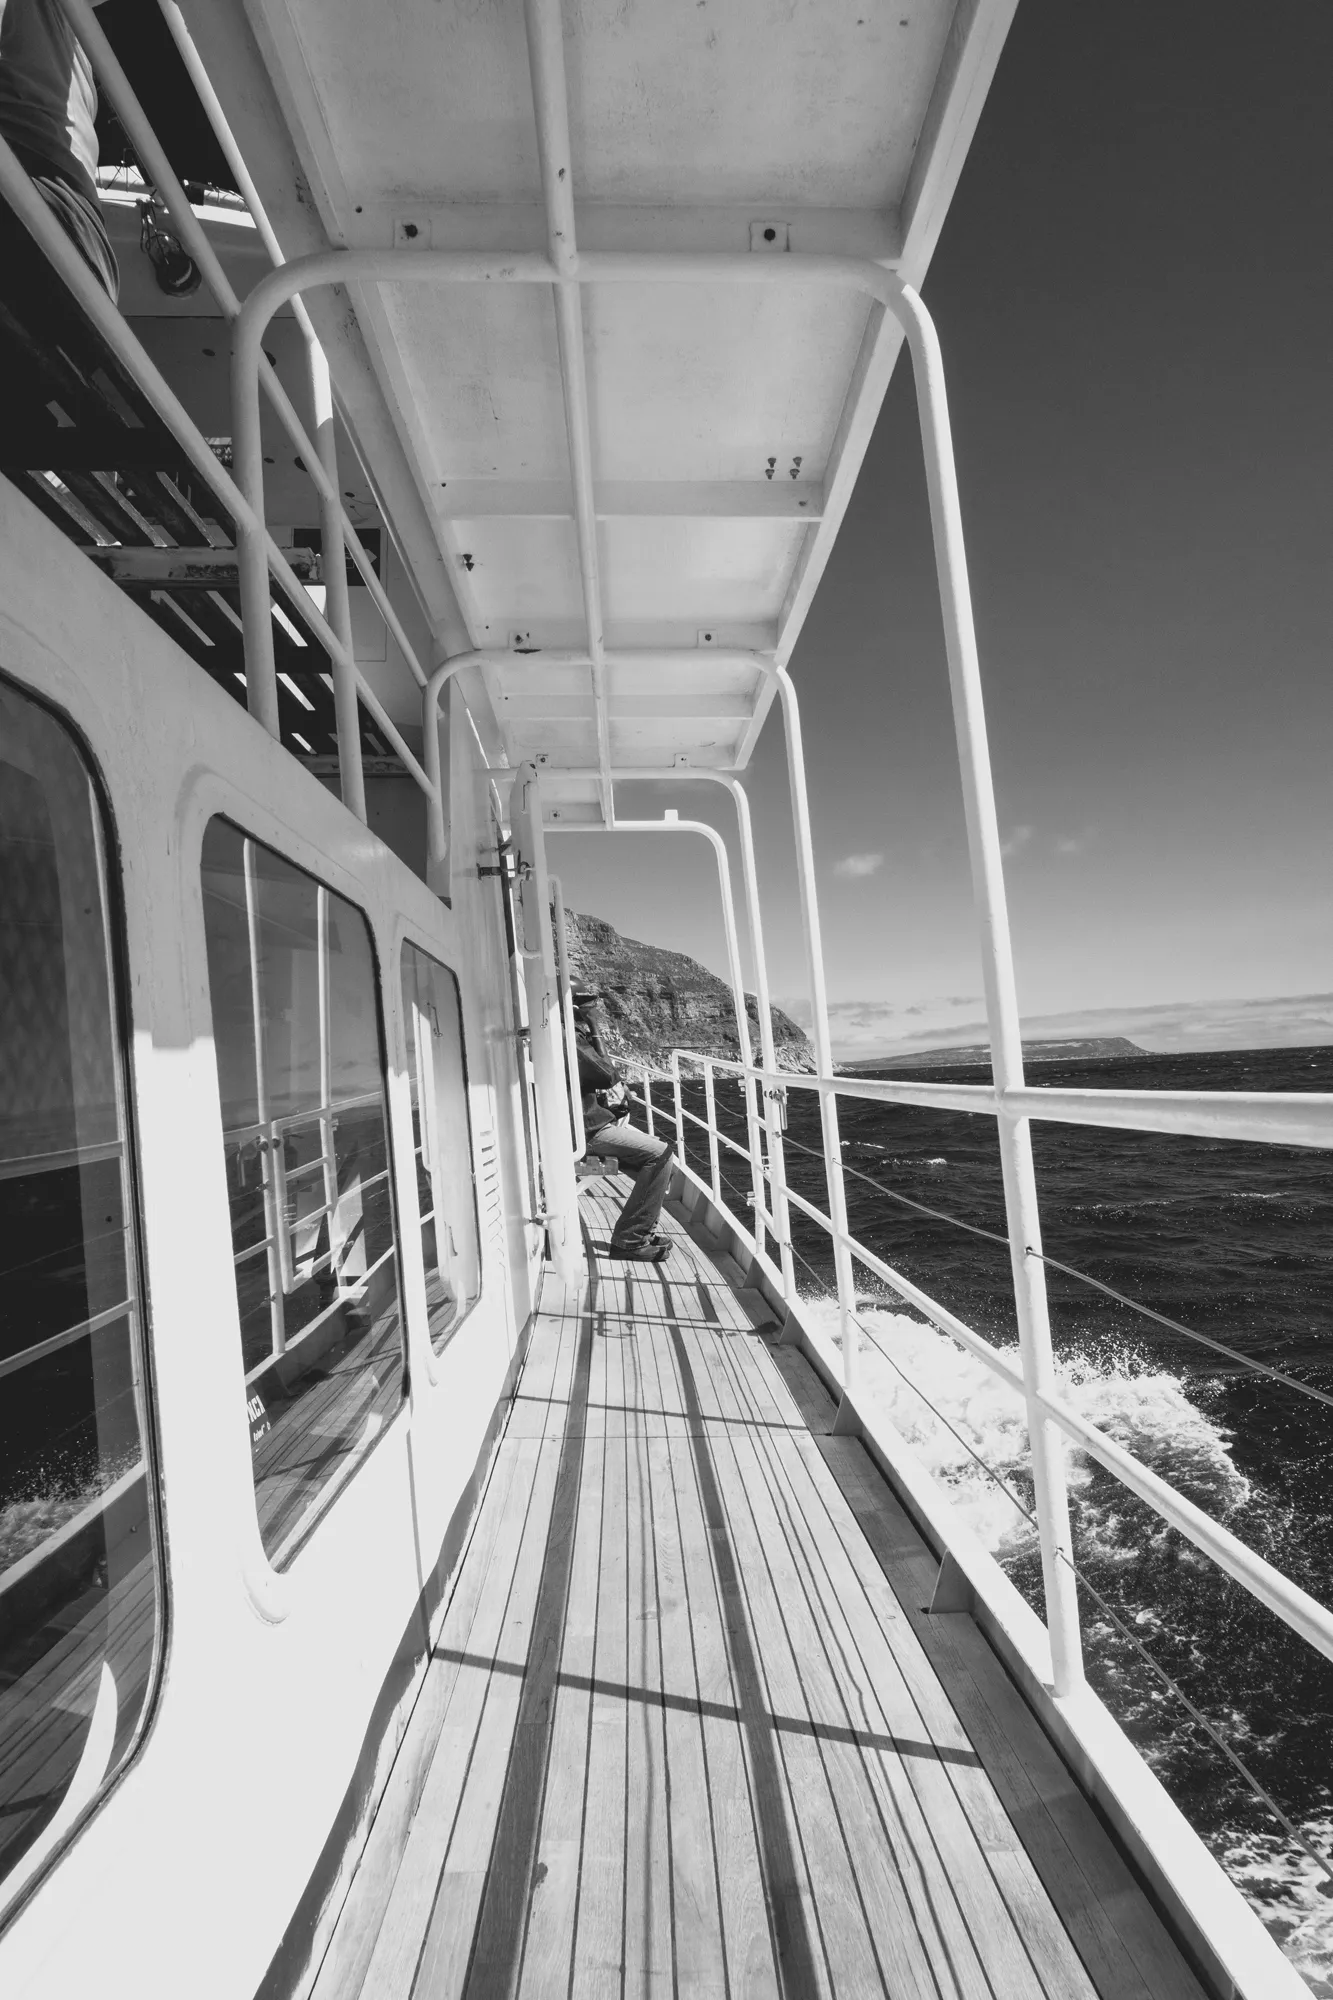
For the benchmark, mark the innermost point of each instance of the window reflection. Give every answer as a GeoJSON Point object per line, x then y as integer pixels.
{"type": "Point", "coordinates": [80, 1582]}
{"type": "Point", "coordinates": [305, 1134]}
{"type": "Point", "coordinates": [441, 1142]}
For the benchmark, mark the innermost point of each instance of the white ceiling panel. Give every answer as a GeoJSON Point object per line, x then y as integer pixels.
{"type": "Point", "coordinates": [724, 572]}
{"type": "Point", "coordinates": [706, 382]}
{"type": "Point", "coordinates": [740, 126]}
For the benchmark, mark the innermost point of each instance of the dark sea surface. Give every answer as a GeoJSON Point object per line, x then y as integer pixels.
{"type": "Point", "coordinates": [1234, 1240]}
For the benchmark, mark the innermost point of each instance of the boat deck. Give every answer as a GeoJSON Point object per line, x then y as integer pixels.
{"type": "Point", "coordinates": [688, 1729]}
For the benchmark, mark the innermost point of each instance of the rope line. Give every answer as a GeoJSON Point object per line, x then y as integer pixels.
{"type": "Point", "coordinates": [1168, 1680]}
{"type": "Point", "coordinates": [1070, 1271]}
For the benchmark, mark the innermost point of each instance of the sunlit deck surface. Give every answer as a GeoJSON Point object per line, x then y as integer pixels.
{"type": "Point", "coordinates": [688, 1728]}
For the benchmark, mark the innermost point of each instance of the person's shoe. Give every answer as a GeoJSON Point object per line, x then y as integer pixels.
{"type": "Point", "coordinates": [654, 1251]}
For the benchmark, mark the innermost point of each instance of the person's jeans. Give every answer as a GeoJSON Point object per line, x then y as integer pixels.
{"type": "Point", "coordinates": [650, 1161]}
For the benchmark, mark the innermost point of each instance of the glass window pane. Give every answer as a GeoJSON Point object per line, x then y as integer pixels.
{"type": "Point", "coordinates": [80, 1578]}
{"type": "Point", "coordinates": [305, 1134]}
{"type": "Point", "coordinates": [442, 1142]}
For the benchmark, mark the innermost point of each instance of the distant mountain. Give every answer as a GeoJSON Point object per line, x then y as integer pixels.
{"type": "Point", "coordinates": [657, 1000]}
{"type": "Point", "coordinates": [1102, 1048]}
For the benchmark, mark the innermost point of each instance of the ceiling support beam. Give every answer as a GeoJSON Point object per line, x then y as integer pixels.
{"type": "Point", "coordinates": [546, 59]}
{"type": "Point", "coordinates": [604, 225]}
{"type": "Point", "coordinates": [632, 499]}
{"type": "Point", "coordinates": [976, 39]}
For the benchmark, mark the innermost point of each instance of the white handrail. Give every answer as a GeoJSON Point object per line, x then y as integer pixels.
{"type": "Point", "coordinates": [565, 987]}
{"type": "Point", "coordinates": [16, 188]}
{"type": "Point", "coordinates": [319, 457]}
{"type": "Point", "coordinates": [1253, 1117]}
{"type": "Point", "coordinates": [1294, 1606]}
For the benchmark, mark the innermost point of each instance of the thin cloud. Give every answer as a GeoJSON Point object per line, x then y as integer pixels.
{"type": "Point", "coordinates": [1016, 840]}
{"type": "Point", "coordinates": [855, 867]}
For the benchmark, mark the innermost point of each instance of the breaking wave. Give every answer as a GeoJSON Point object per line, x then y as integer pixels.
{"type": "Point", "coordinates": [1291, 1893]}
{"type": "Point", "coordinates": [960, 1419]}
{"type": "Point", "coordinates": [954, 1412]}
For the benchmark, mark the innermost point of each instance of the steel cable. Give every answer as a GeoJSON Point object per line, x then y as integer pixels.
{"type": "Point", "coordinates": [1070, 1271]}
{"type": "Point", "coordinates": [1168, 1680]}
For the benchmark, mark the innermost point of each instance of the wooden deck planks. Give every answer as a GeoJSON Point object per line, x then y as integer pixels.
{"type": "Point", "coordinates": [688, 1731]}
{"type": "Point", "coordinates": [553, 1907]}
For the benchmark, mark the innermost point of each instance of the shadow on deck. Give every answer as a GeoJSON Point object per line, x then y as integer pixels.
{"type": "Point", "coordinates": [688, 1729]}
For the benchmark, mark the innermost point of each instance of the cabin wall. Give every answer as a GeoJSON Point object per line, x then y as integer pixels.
{"type": "Point", "coordinates": [270, 1682]}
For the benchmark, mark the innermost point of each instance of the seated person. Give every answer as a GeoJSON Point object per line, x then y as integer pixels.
{"type": "Point", "coordinates": [610, 1136]}
{"type": "Point", "coordinates": [48, 108]}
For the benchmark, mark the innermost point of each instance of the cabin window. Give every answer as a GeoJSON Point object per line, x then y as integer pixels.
{"type": "Point", "coordinates": [296, 1028]}
{"type": "Point", "coordinates": [81, 1593]}
{"type": "Point", "coordinates": [441, 1143]}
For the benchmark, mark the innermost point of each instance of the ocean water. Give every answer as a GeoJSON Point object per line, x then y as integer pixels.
{"type": "Point", "coordinates": [1234, 1240]}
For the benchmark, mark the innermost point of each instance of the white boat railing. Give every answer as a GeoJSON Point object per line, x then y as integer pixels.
{"type": "Point", "coordinates": [259, 554]}
{"type": "Point", "coordinates": [1304, 1119]}
{"type": "Point", "coordinates": [1294, 1120]}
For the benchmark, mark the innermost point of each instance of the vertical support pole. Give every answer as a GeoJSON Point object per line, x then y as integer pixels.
{"type": "Point", "coordinates": [680, 1108]}
{"type": "Point", "coordinates": [328, 1155]}
{"type": "Point", "coordinates": [546, 1039]}
{"type": "Point", "coordinates": [744, 1050]}
{"type": "Point", "coordinates": [648, 1101]}
{"type": "Point", "coordinates": [983, 834]}
{"type": "Point", "coordinates": [846, 1419]}
{"type": "Point", "coordinates": [710, 1112]}
{"type": "Point", "coordinates": [566, 986]}
{"type": "Point", "coordinates": [261, 677]}
{"type": "Point", "coordinates": [772, 1100]}
{"type": "Point", "coordinates": [351, 780]}
{"type": "Point", "coordinates": [435, 692]}
{"type": "Point", "coordinates": [274, 1219]}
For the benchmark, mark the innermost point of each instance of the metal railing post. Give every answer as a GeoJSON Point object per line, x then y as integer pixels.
{"type": "Point", "coordinates": [680, 1108]}
{"type": "Point", "coordinates": [771, 1093]}
{"type": "Point", "coordinates": [710, 1108]}
{"type": "Point", "coordinates": [346, 706]}
{"type": "Point", "coordinates": [545, 1039]}
{"type": "Point", "coordinates": [566, 987]}
{"type": "Point", "coordinates": [672, 823]}
{"type": "Point", "coordinates": [846, 1419]}
{"type": "Point", "coordinates": [1020, 1188]}
{"type": "Point", "coordinates": [648, 1101]}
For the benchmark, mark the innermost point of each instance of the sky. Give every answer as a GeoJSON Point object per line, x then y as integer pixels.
{"type": "Point", "coordinates": [1134, 292]}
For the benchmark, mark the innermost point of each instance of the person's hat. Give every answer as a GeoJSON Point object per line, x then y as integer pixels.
{"type": "Point", "coordinates": [582, 996]}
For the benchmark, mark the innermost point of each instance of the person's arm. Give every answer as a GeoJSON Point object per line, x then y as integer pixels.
{"type": "Point", "coordinates": [596, 1071]}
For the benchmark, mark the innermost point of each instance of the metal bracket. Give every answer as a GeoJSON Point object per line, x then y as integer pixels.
{"type": "Point", "coordinates": [952, 1592]}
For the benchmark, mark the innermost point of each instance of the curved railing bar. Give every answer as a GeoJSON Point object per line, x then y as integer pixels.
{"type": "Point", "coordinates": [1252, 1117]}
{"type": "Point", "coordinates": [565, 987]}
{"type": "Point", "coordinates": [77, 276]}
{"type": "Point", "coordinates": [719, 847]}
{"type": "Point", "coordinates": [319, 458]}
{"type": "Point", "coordinates": [1294, 1606]}
{"type": "Point", "coordinates": [437, 834]}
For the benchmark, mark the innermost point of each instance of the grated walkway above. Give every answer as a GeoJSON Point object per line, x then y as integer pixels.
{"type": "Point", "coordinates": [687, 1729]}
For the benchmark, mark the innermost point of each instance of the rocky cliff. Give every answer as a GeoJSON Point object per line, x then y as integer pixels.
{"type": "Point", "coordinates": [658, 1000]}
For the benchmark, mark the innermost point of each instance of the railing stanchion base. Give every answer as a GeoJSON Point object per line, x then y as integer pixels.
{"type": "Point", "coordinates": [846, 1423]}
{"type": "Point", "coordinates": [789, 1335]}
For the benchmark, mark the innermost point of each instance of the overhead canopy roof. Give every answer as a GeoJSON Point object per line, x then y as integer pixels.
{"type": "Point", "coordinates": [724, 423]}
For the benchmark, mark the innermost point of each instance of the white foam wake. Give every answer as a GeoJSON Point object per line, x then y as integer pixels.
{"type": "Point", "coordinates": [965, 1414]}
{"type": "Point", "coordinates": [954, 1412]}
{"type": "Point", "coordinates": [1292, 1894]}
